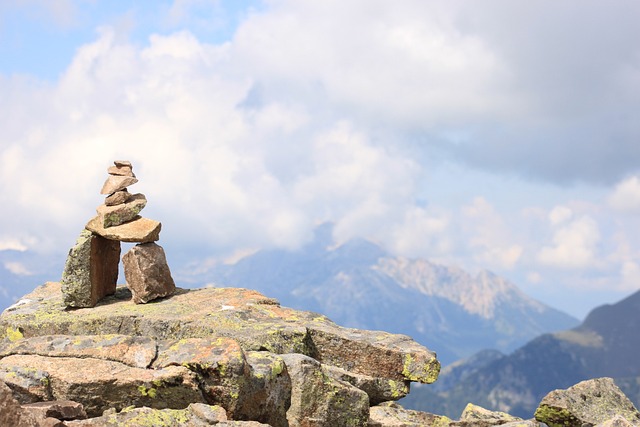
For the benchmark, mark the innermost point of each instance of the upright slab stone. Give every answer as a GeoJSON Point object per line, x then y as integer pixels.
{"type": "Point", "coordinates": [147, 273]}
{"type": "Point", "coordinates": [91, 270]}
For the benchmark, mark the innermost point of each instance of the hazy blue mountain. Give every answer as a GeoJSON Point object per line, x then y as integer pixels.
{"type": "Point", "coordinates": [606, 344]}
{"type": "Point", "coordinates": [358, 285]}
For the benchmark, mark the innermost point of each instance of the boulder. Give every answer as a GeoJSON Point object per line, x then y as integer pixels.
{"type": "Point", "coordinates": [117, 198]}
{"type": "Point", "coordinates": [147, 273]}
{"type": "Point", "coordinates": [216, 346]}
{"type": "Point", "coordinates": [138, 230]}
{"type": "Point", "coordinates": [117, 183]}
{"type": "Point", "coordinates": [91, 270]}
{"type": "Point", "coordinates": [319, 400]}
{"type": "Point", "coordinates": [587, 403]}
{"type": "Point", "coordinates": [121, 213]}
{"type": "Point", "coordinates": [11, 414]}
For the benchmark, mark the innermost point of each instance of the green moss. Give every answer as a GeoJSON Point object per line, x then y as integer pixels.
{"type": "Point", "coordinates": [14, 334]}
{"type": "Point", "coordinates": [148, 392]}
{"type": "Point", "coordinates": [555, 417]}
{"type": "Point", "coordinates": [277, 368]}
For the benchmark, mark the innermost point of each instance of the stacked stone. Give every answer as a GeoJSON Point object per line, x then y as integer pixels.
{"type": "Point", "coordinates": [91, 270]}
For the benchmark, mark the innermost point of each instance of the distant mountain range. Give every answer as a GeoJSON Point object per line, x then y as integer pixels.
{"type": "Point", "coordinates": [358, 285]}
{"type": "Point", "coordinates": [606, 344]}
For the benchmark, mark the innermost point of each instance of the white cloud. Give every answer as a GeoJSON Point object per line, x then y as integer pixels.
{"type": "Point", "coordinates": [574, 245]}
{"type": "Point", "coordinates": [12, 244]}
{"type": "Point", "coordinates": [17, 268]}
{"type": "Point", "coordinates": [489, 236]}
{"type": "Point", "coordinates": [626, 196]}
{"type": "Point", "coordinates": [560, 214]}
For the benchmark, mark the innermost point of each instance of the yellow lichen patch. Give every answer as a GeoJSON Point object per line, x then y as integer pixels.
{"type": "Point", "coordinates": [14, 334]}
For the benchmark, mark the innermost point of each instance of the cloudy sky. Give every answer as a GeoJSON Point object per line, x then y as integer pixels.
{"type": "Point", "coordinates": [494, 135]}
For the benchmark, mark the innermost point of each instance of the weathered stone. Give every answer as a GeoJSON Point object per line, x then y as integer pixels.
{"type": "Point", "coordinates": [219, 362]}
{"type": "Point", "coordinates": [255, 321]}
{"type": "Point", "coordinates": [125, 212]}
{"type": "Point", "coordinates": [587, 403]}
{"type": "Point", "coordinates": [110, 384]}
{"type": "Point", "coordinates": [60, 409]}
{"type": "Point", "coordinates": [319, 400]}
{"type": "Point", "coordinates": [266, 395]}
{"type": "Point", "coordinates": [373, 352]}
{"type": "Point", "coordinates": [476, 416]}
{"type": "Point", "coordinates": [11, 414]}
{"type": "Point", "coordinates": [147, 273]}
{"type": "Point", "coordinates": [28, 384]}
{"type": "Point", "coordinates": [379, 389]}
{"type": "Point", "coordinates": [617, 421]}
{"type": "Point", "coordinates": [117, 198]}
{"type": "Point", "coordinates": [396, 416]}
{"type": "Point", "coordinates": [195, 415]}
{"type": "Point", "coordinates": [137, 352]}
{"type": "Point", "coordinates": [117, 183]}
{"type": "Point", "coordinates": [138, 230]}
{"type": "Point", "coordinates": [91, 270]}
{"type": "Point", "coordinates": [121, 170]}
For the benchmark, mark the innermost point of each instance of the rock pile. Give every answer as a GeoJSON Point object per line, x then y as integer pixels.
{"type": "Point", "coordinates": [91, 269]}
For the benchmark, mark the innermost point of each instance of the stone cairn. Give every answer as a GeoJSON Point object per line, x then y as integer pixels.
{"type": "Point", "coordinates": [91, 269]}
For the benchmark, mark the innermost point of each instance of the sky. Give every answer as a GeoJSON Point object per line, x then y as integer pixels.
{"type": "Point", "coordinates": [493, 135]}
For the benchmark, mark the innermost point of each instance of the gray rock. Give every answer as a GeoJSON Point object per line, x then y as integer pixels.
{"type": "Point", "coordinates": [138, 230]}
{"type": "Point", "coordinates": [147, 273]}
{"type": "Point", "coordinates": [319, 400]}
{"type": "Point", "coordinates": [91, 270]}
{"type": "Point", "coordinates": [117, 183]}
{"type": "Point", "coordinates": [586, 404]}
{"type": "Point", "coordinates": [117, 198]}
{"type": "Point", "coordinates": [124, 212]}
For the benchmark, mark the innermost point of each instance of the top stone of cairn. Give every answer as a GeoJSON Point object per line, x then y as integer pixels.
{"type": "Point", "coordinates": [120, 177]}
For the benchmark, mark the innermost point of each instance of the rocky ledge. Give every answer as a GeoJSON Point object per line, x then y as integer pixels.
{"type": "Point", "coordinates": [231, 357]}
{"type": "Point", "coordinates": [230, 347]}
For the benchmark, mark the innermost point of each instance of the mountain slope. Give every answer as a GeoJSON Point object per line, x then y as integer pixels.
{"type": "Point", "coordinates": [607, 344]}
{"type": "Point", "coordinates": [358, 285]}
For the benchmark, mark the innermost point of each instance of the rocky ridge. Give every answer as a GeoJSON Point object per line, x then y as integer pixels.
{"type": "Point", "coordinates": [227, 356]}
